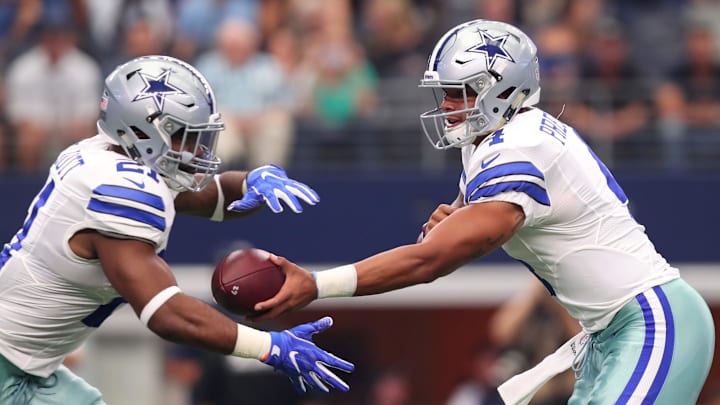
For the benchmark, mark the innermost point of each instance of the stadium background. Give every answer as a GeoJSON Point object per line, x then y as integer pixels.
{"type": "Point", "coordinates": [379, 178]}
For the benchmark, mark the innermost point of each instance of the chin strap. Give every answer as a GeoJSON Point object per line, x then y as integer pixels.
{"type": "Point", "coordinates": [514, 107]}
{"type": "Point", "coordinates": [509, 113]}
{"type": "Point", "coordinates": [129, 147]}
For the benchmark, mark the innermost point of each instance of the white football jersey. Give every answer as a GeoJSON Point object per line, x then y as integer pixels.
{"type": "Point", "coordinates": [578, 237]}
{"type": "Point", "coordinates": [51, 299]}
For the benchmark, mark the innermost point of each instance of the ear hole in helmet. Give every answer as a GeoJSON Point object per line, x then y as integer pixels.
{"type": "Point", "coordinates": [505, 94]}
{"type": "Point", "coordinates": [140, 134]}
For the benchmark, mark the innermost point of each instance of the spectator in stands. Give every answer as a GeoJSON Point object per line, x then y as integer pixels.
{"type": "Point", "coordinates": [344, 87]}
{"type": "Point", "coordinates": [582, 18]}
{"type": "Point", "coordinates": [706, 13]}
{"type": "Point", "coordinates": [52, 96]}
{"type": "Point", "coordinates": [533, 14]}
{"type": "Point", "coordinates": [236, 381]}
{"type": "Point", "coordinates": [500, 10]}
{"type": "Point", "coordinates": [139, 37]}
{"type": "Point", "coordinates": [529, 327]}
{"type": "Point", "coordinates": [197, 21]}
{"type": "Point", "coordinates": [21, 23]}
{"type": "Point", "coordinates": [182, 369]}
{"type": "Point", "coordinates": [17, 18]}
{"type": "Point", "coordinates": [480, 387]}
{"type": "Point", "coordinates": [392, 35]}
{"type": "Point", "coordinates": [111, 23]}
{"type": "Point", "coordinates": [214, 379]}
{"type": "Point", "coordinates": [335, 124]}
{"type": "Point", "coordinates": [391, 386]}
{"type": "Point", "coordinates": [286, 47]}
{"type": "Point", "coordinates": [250, 86]}
{"type": "Point", "coordinates": [613, 109]}
{"type": "Point", "coordinates": [652, 29]}
{"type": "Point", "coordinates": [560, 66]}
{"type": "Point", "coordinates": [688, 104]}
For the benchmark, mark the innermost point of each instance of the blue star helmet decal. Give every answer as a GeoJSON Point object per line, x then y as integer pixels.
{"type": "Point", "coordinates": [157, 88]}
{"type": "Point", "coordinates": [493, 48]}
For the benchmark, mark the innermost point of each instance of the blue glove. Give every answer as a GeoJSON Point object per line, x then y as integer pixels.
{"type": "Point", "coordinates": [294, 353]}
{"type": "Point", "coordinates": [270, 184]}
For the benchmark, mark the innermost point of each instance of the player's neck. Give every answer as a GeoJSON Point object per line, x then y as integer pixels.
{"type": "Point", "coordinates": [118, 149]}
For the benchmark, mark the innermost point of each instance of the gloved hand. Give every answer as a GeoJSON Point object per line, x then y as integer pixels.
{"type": "Point", "coordinates": [270, 184]}
{"type": "Point", "coordinates": [293, 352]}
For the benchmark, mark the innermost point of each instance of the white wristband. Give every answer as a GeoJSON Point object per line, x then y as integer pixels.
{"type": "Point", "coordinates": [156, 302]}
{"type": "Point", "coordinates": [219, 213]}
{"type": "Point", "coordinates": [336, 282]}
{"type": "Point", "coordinates": [251, 343]}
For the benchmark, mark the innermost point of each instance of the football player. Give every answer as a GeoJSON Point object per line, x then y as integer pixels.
{"type": "Point", "coordinates": [94, 236]}
{"type": "Point", "coordinates": [532, 186]}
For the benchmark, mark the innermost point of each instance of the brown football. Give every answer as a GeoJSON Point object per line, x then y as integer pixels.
{"type": "Point", "coordinates": [245, 277]}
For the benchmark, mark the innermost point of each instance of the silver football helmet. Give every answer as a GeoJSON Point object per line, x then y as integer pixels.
{"type": "Point", "coordinates": [162, 112]}
{"type": "Point", "coordinates": [493, 59]}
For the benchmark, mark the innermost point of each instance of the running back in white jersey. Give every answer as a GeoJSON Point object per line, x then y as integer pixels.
{"type": "Point", "coordinates": [578, 237]}
{"type": "Point", "coordinates": [65, 296]}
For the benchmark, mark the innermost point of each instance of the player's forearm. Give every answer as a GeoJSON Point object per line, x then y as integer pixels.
{"type": "Point", "coordinates": [391, 270]}
{"type": "Point", "coordinates": [227, 187]}
{"type": "Point", "coordinates": [397, 268]}
{"type": "Point", "coordinates": [232, 184]}
{"type": "Point", "coordinates": [233, 188]}
{"type": "Point", "coordinates": [189, 321]}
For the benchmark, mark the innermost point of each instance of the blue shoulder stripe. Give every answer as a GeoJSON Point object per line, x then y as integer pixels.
{"type": "Point", "coordinates": [475, 188]}
{"type": "Point", "coordinates": [126, 193]}
{"type": "Point", "coordinates": [535, 192]}
{"type": "Point", "coordinates": [505, 169]}
{"type": "Point", "coordinates": [127, 212]}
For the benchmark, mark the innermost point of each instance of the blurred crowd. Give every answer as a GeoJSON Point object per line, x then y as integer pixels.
{"type": "Point", "coordinates": [323, 84]}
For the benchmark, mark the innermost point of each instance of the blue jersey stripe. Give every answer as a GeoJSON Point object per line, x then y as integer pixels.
{"type": "Point", "coordinates": [644, 354]}
{"type": "Point", "coordinates": [22, 233]}
{"type": "Point", "coordinates": [505, 169]}
{"type": "Point", "coordinates": [535, 192]}
{"type": "Point", "coordinates": [667, 351]}
{"type": "Point", "coordinates": [544, 282]}
{"type": "Point", "coordinates": [96, 318]}
{"type": "Point", "coordinates": [127, 212]}
{"type": "Point", "coordinates": [131, 194]}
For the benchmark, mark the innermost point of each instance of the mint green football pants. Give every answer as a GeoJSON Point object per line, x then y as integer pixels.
{"type": "Point", "coordinates": [60, 388]}
{"type": "Point", "coordinates": [657, 350]}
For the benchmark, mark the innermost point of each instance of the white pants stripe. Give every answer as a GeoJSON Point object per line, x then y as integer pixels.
{"type": "Point", "coordinates": [652, 366]}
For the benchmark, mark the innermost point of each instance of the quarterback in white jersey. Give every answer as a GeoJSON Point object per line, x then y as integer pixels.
{"type": "Point", "coordinates": [94, 236]}
{"type": "Point", "coordinates": [577, 237]}
{"type": "Point", "coordinates": [532, 186]}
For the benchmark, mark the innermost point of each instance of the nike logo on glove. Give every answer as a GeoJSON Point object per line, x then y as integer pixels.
{"type": "Point", "coordinates": [488, 162]}
{"type": "Point", "coordinates": [264, 175]}
{"type": "Point", "coordinates": [292, 355]}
